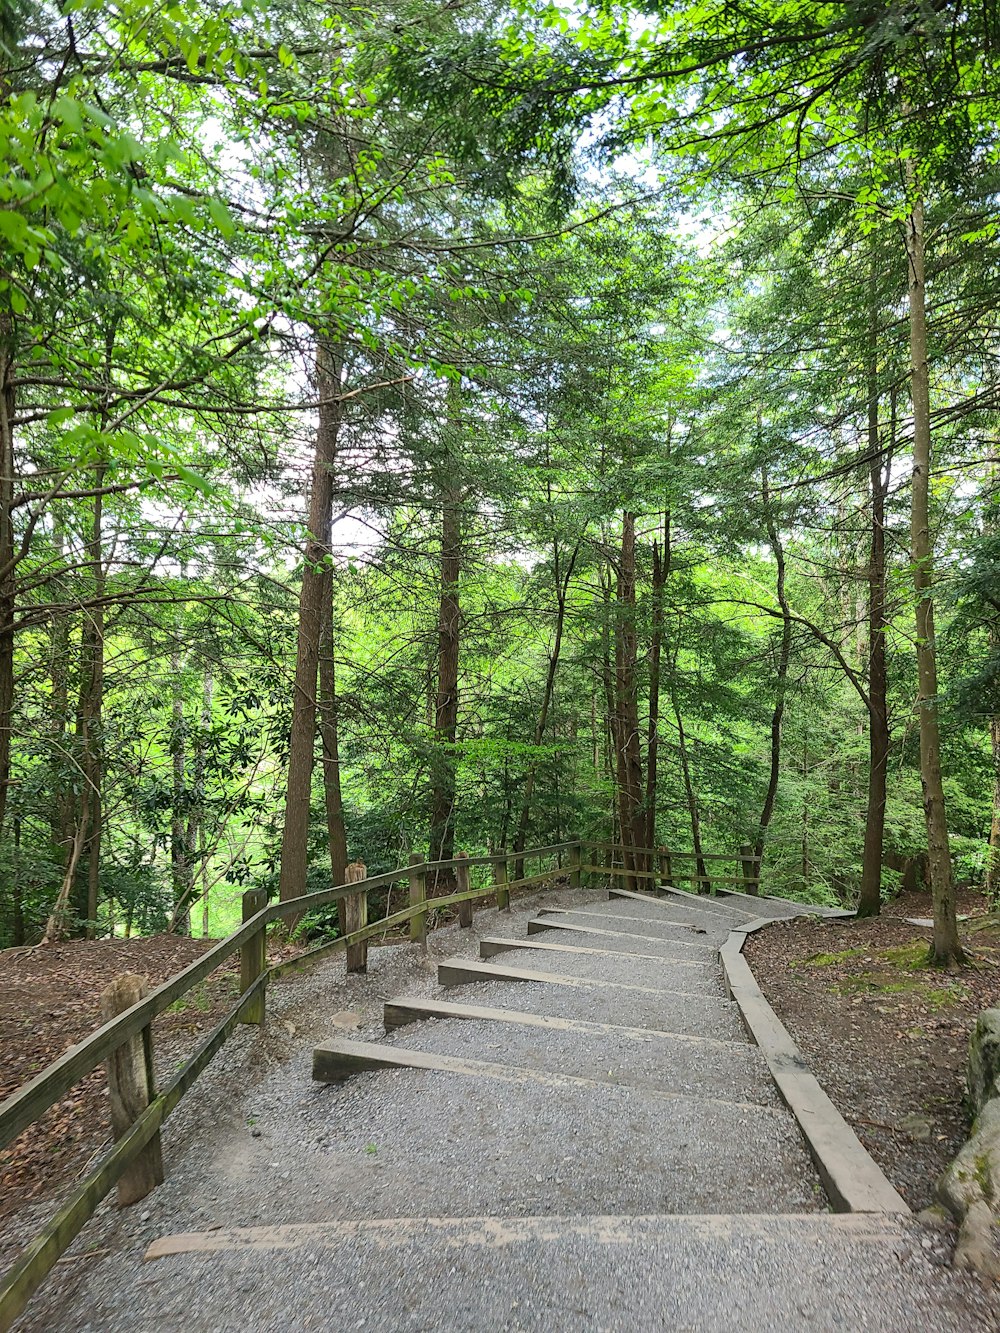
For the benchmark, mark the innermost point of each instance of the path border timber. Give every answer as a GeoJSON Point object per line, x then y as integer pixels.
{"type": "Point", "coordinates": [26, 1105]}
{"type": "Point", "coordinates": [853, 1180]}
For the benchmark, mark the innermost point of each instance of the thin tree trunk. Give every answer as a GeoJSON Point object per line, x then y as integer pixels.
{"type": "Point", "coordinates": [661, 572]}
{"type": "Point", "coordinates": [8, 587]}
{"type": "Point", "coordinates": [992, 881]}
{"type": "Point", "coordinates": [329, 729]}
{"type": "Point", "coordinates": [610, 737]}
{"type": "Point", "coordinates": [781, 675]}
{"type": "Point", "coordinates": [992, 885]}
{"type": "Point", "coordinates": [61, 818]}
{"type": "Point", "coordinates": [302, 740]}
{"type": "Point", "coordinates": [630, 796]}
{"type": "Point", "coordinates": [562, 591]}
{"type": "Point", "coordinates": [194, 827]}
{"type": "Point", "coordinates": [93, 751]}
{"type": "Point", "coordinates": [92, 662]}
{"type": "Point", "coordinates": [17, 903]}
{"type": "Point", "coordinates": [946, 948]}
{"type": "Point", "coordinates": [806, 867]}
{"type": "Point", "coordinates": [181, 870]}
{"type": "Point", "coordinates": [443, 785]}
{"type": "Point", "coordinates": [870, 896]}
{"type": "Point", "coordinates": [703, 885]}
{"type": "Point", "coordinates": [55, 926]}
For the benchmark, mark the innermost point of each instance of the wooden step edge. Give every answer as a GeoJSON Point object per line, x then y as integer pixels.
{"type": "Point", "coordinates": [490, 946]}
{"type": "Point", "coordinates": [336, 1061]}
{"type": "Point", "coordinates": [548, 922]}
{"type": "Point", "coordinates": [404, 1010]}
{"type": "Point", "coordinates": [497, 1232]}
{"type": "Point", "coordinates": [853, 1180]}
{"type": "Point", "coordinates": [465, 972]}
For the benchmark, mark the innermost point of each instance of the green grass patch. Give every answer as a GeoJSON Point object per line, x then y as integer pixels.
{"type": "Point", "coordinates": [828, 959]}
{"type": "Point", "coordinates": [938, 997]}
{"type": "Point", "coordinates": [200, 998]}
{"type": "Point", "coordinates": [909, 956]}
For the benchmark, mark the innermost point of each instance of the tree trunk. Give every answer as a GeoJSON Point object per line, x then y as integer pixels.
{"type": "Point", "coordinates": [610, 729]}
{"type": "Point", "coordinates": [703, 884]}
{"type": "Point", "coordinates": [302, 740]}
{"type": "Point", "coordinates": [661, 572]}
{"type": "Point", "coordinates": [781, 675]}
{"type": "Point", "coordinates": [181, 869]}
{"type": "Point", "coordinates": [443, 778]}
{"type": "Point", "coordinates": [631, 814]}
{"type": "Point", "coordinates": [61, 807]}
{"type": "Point", "coordinates": [17, 896]}
{"type": "Point", "coordinates": [945, 948]}
{"type": "Point", "coordinates": [329, 729]}
{"type": "Point", "coordinates": [194, 831]}
{"type": "Point", "coordinates": [8, 587]}
{"type": "Point", "coordinates": [92, 708]}
{"type": "Point", "coordinates": [870, 896]}
{"type": "Point", "coordinates": [562, 590]}
{"type": "Point", "coordinates": [992, 881]}
{"type": "Point", "coordinates": [993, 854]}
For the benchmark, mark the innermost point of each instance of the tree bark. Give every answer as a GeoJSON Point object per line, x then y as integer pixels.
{"type": "Point", "coordinates": [329, 729]}
{"type": "Point", "coordinates": [562, 591]}
{"type": "Point", "coordinates": [992, 885]}
{"type": "Point", "coordinates": [630, 797]}
{"type": "Point", "coordinates": [443, 778]}
{"type": "Point", "coordinates": [8, 593]}
{"type": "Point", "coordinates": [661, 572]}
{"type": "Point", "coordinates": [302, 740]}
{"type": "Point", "coordinates": [181, 869]}
{"type": "Point", "coordinates": [90, 709]}
{"type": "Point", "coordinates": [945, 948]}
{"type": "Point", "coordinates": [870, 896]}
{"type": "Point", "coordinates": [61, 807]}
{"type": "Point", "coordinates": [781, 674]}
{"type": "Point", "coordinates": [703, 883]}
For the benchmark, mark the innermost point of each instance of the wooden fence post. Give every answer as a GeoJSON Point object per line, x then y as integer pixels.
{"type": "Point", "coordinates": [751, 869]}
{"type": "Point", "coordinates": [666, 875]}
{"type": "Point", "coordinates": [356, 917]}
{"type": "Point", "coordinates": [418, 894]}
{"type": "Point", "coordinates": [462, 886]}
{"type": "Point", "coordinates": [131, 1088]}
{"type": "Point", "coordinates": [575, 857]}
{"type": "Point", "coordinates": [253, 958]}
{"type": "Point", "coordinates": [500, 881]}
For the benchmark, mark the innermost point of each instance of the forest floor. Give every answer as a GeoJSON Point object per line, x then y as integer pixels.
{"type": "Point", "coordinates": [49, 1000]}
{"type": "Point", "coordinates": [886, 1036]}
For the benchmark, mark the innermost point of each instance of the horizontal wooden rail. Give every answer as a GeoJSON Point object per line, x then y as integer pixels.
{"type": "Point", "coordinates": [668, 851]}
{"type": "Point", "coordinates": [23, 1107]}
{"type": "Point", "coordinates": [29, 1102]}
{"type": "Point", "coordinates": [40, 1256]}
{"type": "Point", "coordinates": [401, 917]}
{"type": "Point", "coordinates": [674, 874]}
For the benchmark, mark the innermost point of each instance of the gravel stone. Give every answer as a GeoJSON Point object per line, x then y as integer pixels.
{"type": "Point", "coordinates": [649, 1211]}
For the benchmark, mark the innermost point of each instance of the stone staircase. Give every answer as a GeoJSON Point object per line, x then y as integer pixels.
{"type": "Point", "coordinates": [571, 1133]}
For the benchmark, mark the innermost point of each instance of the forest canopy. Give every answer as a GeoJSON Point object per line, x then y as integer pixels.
{"type": "Point", "coordinates": [434, 427]}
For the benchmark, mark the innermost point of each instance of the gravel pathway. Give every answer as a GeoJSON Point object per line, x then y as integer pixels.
{"type": "Point", "coordinates": [670, 1190]}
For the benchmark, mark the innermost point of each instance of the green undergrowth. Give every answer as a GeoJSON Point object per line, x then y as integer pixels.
{"type": "Point", "coordinates": [881, 973]}
{"type": "Point", "coordinates": [202, 997]}
{"type": "Point", "coordinates": [938, 997]}
{"type": "Point", "coordinates": [828, 959]}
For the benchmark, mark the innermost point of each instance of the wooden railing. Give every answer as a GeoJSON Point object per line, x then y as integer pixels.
{"type": "Point", "coordinates": [667, 874]}
{"type": "Point", "coordinates": [124, 1042]}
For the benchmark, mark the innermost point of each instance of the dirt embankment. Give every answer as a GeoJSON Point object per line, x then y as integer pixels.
{"type": "Point", "coordinates": [886, 1036]}
{"type": "Point", "coordinates": [49, 1000]}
